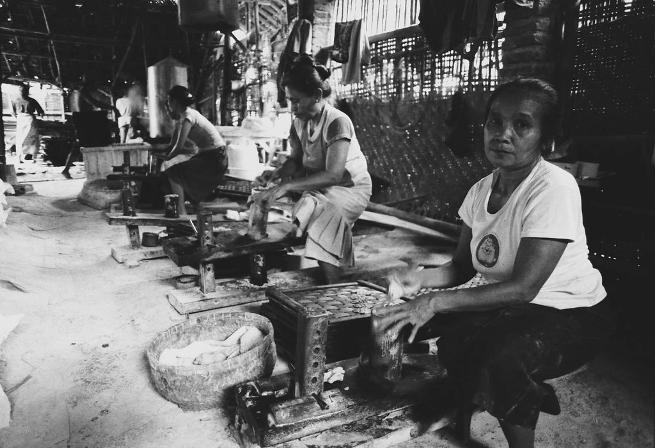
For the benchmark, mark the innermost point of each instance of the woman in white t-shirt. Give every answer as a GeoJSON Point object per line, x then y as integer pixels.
{"type": "Point", "coordinates": [540, 312]}
{"type": "Point", "coordinates": [198, 176]}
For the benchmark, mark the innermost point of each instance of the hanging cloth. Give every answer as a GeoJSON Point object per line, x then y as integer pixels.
{"type": "Point", "coordinates": [359, 53]}
{"type": "Point", "coordinates": [342, 42]}
{"type": "Point", "coordinates": [452, 24]}
{"type": "Point", "coordinates": [299, 42]}
{"type": "Point", "coordinates": [509, 5]}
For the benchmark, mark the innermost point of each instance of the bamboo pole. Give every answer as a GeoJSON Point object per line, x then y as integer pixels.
{"type": "Point", "coordinates": [3, 159]}
{"type": "Point", "coordinates": [143, 49]}
{"type": "Point", "coordinates": [227, 85]}
{"type": "Point", "coordinates": [258, 52]}
{"type": "Point", "coordinates": [127, 51]}
{"type": "Point", "coordinates": [4, 55]}
{"type": "Point", "coordinates": [434, 224]}
{"type": "Point", "coordinates": [52, 47]}
{"type": "Point", "coordinates": [202, 71]}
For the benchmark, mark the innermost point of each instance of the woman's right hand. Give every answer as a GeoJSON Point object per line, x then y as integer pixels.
{"type": "Point", "coordinates": [403, 284]}
{"type": "Point", "coordinates": [414, 313]}
{"type": "Point", "coordinates": [263, 179]}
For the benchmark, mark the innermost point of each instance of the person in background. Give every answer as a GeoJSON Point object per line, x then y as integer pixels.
{"type": "Point", "coordinates": [125, 115]}
{"type": "Point", "coordinates": [129, 107]}
{"type": "Point", "coordinates": [189, 148]}
{"type": "Point", "coordinates": [326, 165]}
{"type": "Point", "coordinates": [89, 119]}
{"type": "Point", "coordinates": [25, 109]}
{"type": "Point", "coordinates": [198, 176]}
{"type": "Point", "coordinates": [540, 313]}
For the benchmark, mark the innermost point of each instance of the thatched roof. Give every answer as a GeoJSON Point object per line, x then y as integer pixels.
{"type": "Point", "coordinates": [56, 41]}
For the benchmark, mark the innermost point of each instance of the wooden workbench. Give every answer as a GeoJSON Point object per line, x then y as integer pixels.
{"type": "Point", "coordinates": [225, 240]}
{"type": "Point", "coordinates": [229, 241]}
{"type": "Point", "coordinates": [134, 251]}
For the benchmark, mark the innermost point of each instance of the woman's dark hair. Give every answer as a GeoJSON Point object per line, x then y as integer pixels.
{"type": "Point", "coordinates": [306, 77]}
{"type": "Point", "coordinates": [182, 95]}
{"type": "Point", "coordinates": [548, 99]}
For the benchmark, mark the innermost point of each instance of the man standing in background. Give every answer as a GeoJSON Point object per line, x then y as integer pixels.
{"type": "Point", "coordinates": [25, 110]}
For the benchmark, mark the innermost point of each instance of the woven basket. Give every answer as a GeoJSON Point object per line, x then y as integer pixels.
{"type": "Point", "coordinates": [207, 386]}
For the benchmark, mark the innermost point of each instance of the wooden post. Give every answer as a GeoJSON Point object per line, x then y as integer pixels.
{"type": "Point", "coordinates": [227, 84]}
{"type": "Point", "coordinates": [52, 46]}
{"type": "Point", "coordinates": [127, 200]}
{"type": "Point", "coordinates": [311, 336]}
{"type": "Point", "coordinates": [3, 159]}
{"type": "Point", "coordinates": [258, 52]}
{"type": "Point", "coordinates": [126, 162]}
{"type": "Point", "coordinates": [205, 230]}
{"type": "Point", "coordinates": [258, 271]}
{"type": "Point", "coordinates": [206, 280]}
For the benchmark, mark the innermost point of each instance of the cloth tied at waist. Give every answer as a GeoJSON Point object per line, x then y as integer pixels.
{"type": "Point", "coordinates": [329, 237]}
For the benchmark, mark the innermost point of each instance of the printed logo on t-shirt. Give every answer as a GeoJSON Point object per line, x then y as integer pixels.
{"type": "Point", "coordinates": [487, 252]}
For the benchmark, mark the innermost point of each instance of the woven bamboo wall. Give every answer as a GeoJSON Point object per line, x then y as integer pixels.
{"type": "Point", "coordinates": [613, 83]}
{"type": "Point", "coordinates": [400, 113]}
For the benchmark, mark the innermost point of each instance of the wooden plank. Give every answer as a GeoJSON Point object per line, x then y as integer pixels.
{"type": "Point", "coordinates": [435, 224]}
{"type": "Point", "coordinates": [397, 222]}
{"type": "Point", "coordinates": [296, 410]}
{"type": "Point", "coordinates": [145, 219]}
{"type": "Point", "coordinates": [408, 431]}
{"type": "Point", "coordinates": [192, 300]}
{"type": "Point", "coordinates": [124, 254]}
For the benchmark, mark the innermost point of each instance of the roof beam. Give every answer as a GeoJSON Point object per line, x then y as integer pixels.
{"type": "Point", "coordinates": [42, 36]}
{"type": "Point", "coordinates": [65, 60]}
{"type": "Point", "coordinates": [271, 23]}
{"type": "Point", "coordinates": [52, 47]}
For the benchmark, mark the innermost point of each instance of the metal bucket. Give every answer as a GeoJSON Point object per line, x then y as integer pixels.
{"type": "Point", "coordinates": [162, 76]}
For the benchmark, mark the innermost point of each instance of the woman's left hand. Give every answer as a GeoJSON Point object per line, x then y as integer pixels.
{"type": "Point", "coordinates": [415, 312]}
{"type": "Point", "coordinates": [271, 194]}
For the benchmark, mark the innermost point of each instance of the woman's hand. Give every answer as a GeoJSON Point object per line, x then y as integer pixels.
{"type": "Point", "coordinates": [415, 312]}
{"type": "Point", "coordinates": [271, 194]}
{"type": "Point", "coordinates": [403, 284]}
{"type": "Point", "coordinates": [264, 179]}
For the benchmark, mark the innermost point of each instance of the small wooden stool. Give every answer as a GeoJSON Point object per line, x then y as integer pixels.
{"type": "Point", "coordinates": [464, 416]}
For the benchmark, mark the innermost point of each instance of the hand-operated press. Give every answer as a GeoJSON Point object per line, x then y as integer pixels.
{"type": "Point", "coordinates": [321, 329]}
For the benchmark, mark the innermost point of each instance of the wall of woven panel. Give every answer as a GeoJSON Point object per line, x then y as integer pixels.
{"type": "Point", "coordinates": [400, 110]}
{"type": "Point", "coordinates": [613, 82]}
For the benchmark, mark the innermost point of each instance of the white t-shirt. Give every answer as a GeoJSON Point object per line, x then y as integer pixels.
{"type": "Point", "coordinates": [202, 133]}
{"type": "Point", "coordinates": [547, 204]}
{"type": "Point", "coordinates": [334, 125]}
{"type": "Point", "coordinates": [124, 107]}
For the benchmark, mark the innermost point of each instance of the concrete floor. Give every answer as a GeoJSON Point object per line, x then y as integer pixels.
{"type": "Point", "coordinates": [88, 319]}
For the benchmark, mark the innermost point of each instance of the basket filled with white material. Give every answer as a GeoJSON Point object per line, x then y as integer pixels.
{"type": "Point", "coordinates": [196, 364]}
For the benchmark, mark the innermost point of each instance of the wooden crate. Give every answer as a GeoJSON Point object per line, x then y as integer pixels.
{"type": "Point", "coordinates": [98, 161]}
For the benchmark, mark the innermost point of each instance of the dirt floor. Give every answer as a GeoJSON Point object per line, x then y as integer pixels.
{"type": "Point", "coordinates": [79, 350]}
